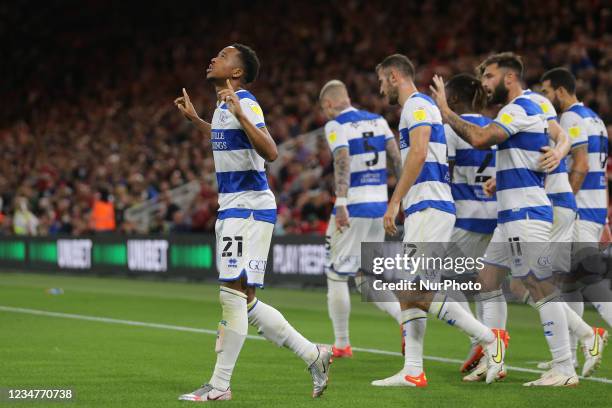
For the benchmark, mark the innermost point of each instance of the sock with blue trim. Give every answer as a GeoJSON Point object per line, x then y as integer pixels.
{"type": "Point", "coordinates": [556, 332]}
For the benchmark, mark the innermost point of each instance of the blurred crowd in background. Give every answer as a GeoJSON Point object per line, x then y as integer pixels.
{"type": "Point", "coordinates": [88, 127]}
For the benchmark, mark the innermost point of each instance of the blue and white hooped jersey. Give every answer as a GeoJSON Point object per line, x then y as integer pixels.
{"type": "Point", "coordinates": [431, 189]}
{"type": "Point", "coordinates": [241, 176]}
{"type": "Point", "coordinates": [365, 135]}
{"type": "Point", "coordinates": [476, 212]}
{"type": "Point", "coordinates": [520, 181]}
{"type": "Point", "coordinates": [557, 185]}
{"type": "Point", "coordinates": [585, 126]}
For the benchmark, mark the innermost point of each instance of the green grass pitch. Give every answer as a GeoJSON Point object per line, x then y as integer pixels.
{"type": "Point", "coordinates": [117, 365]}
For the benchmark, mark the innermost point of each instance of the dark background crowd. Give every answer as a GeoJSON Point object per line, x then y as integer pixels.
{"type": "Point", "coordinates": [87, 89]}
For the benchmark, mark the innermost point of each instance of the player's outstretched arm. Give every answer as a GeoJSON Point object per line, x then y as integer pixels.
{"type": "Point", "coordinates": [552, 156]}
{"type": "Point", "coordinates": [183, 103]}
{"type": "Point", "coordinates": [479, 137]}
{"type": "Point", "coordinates": [419, 141]}
{"type": "Point", "coordinates": [395, 159]}
{"type": "Point", "coordinates": [342, 169]}
{"type": "Point", "coordinates": [260, 138]}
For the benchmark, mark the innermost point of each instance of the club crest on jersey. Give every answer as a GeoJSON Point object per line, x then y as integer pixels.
{"type": "Point", "coordinates": [224, 116]}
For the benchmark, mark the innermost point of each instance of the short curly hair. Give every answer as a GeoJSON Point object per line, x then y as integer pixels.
{"type": "Point", "coordinates": [250, 62]}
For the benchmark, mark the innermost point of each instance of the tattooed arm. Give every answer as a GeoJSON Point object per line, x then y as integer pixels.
{"type": "Point", "coordinates": [342, 169]}
{"type": "Point", "coordinates": [394, 157]}
{"type": "Point", "coordinates": [580, 167]}
{"type": "Point", "coordinates": [479, 137]}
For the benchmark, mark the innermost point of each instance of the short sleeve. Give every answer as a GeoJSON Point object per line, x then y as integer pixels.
{"type": "Point", "coordinates": [334, 135]}
{"type": "Point", "coordinates": [512, 118]}
{"type": "Point", "coordinates": [575, 127]}
{"type": "Point", "coordinates": [416, 112]}
{"type": "Point", "coordinates": [548, 110]}
{"type": "Point", "coordinates": [253, 112]}
{"type": "Point", "coordinates": [451, 141]}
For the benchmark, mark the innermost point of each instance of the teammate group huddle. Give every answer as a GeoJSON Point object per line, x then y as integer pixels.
{"type": "Point", "coordinates": [509, 194]}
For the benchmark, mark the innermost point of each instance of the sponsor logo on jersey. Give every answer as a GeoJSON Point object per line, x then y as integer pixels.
{"type": "Point", "coordinates": [257, 264]}
{"type": "Point", "coordinates": [419, 115]}
{"type": "Point", "coordinates": [506, 118]}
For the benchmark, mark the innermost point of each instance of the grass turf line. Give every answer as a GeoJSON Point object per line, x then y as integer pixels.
{"type": "Point", "coordinates": [113, 365]}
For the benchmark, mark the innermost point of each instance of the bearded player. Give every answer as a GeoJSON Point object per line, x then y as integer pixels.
{"type": "Point", "coordinates": [521, 241]}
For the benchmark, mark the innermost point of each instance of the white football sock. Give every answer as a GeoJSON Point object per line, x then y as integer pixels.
{"type": "Point", "coordinates": [461, 300]}
{"type": "Point", "coordinates": [575, 324]}
{"type": "Point", "coordinates": [453, 314]}
{"type": "Point", "coordinates": [600, 295]}
{"type": "Point", "coordinates": [479, 314]}
{"type": "Point", "coordinates": [339, 307]}
{"type": "Point", "coordinates": [271, 324]}
{"type": "Point", "coordinates": [494, 309]}
{"type": "Point", "coordinates": [415, 323]}
{"type": "Point", "coordinates": [232, 331]}
{"type": "Point", "coordinates": [392, 309]}
{"type": "Point", "coordinates": [385, 300]}
{"type": "Point", "coordinates": [478, 307]}
{"type": "Point", "coordinates": [556, 332]}
{"type": "Point", "coordinates": [574, 301]}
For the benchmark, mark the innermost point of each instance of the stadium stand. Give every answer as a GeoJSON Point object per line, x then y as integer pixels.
{"type": "Point", "coordinates": [93, 111]}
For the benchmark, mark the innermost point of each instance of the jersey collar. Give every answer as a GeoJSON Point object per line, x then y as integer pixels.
{"type": "Point", "coordinates": [349, 109]}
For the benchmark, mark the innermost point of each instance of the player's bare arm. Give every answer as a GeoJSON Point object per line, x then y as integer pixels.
{"type": "Point", "coordinates": [552, 156]}
{"type": "Point", "coordinates": [342, 180]}
{"type": "Point", "coordinates": [183, 103]}
{"type": "Point", "coordinates": [419, 141]}
{"type": "Point", "coordinates": [260, 138]}
{"type": "Point", "coordinates": [479, 137]}
{"type": "Point", "coordinates": [394, 156]}
{"type": "Point", "coordinates": [580, 167]}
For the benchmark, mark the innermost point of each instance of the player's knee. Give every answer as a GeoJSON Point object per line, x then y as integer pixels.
{"type": "Point", "coordinates": [238, 284]}
{"type": "Point", "coordinates": [517, 288]}
{"type": "Point", "coordinates": [250, 292]}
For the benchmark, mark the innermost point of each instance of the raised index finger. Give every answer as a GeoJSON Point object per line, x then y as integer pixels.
{"type": "Point", "coordinates": [185, 95]}
{"type": "Point", "coordinates": [229, 85]}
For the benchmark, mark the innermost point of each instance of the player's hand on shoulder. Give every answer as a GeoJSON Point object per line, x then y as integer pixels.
{"type": "Point", "coordinates": [229, 97]}
{"type": "Point", "coordinates": [183, 103]}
